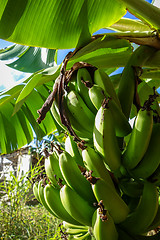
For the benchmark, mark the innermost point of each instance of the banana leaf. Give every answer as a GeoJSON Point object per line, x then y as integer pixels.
{"type": "Point", "coordinates": [28, 59]}
{"type": "Point", "coordinates": [56, 24]}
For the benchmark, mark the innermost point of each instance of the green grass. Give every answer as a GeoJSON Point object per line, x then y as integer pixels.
{"type": "Point", "coordinates": [31, 222]}
{"type": "Point", "coordinates": [19, 219]}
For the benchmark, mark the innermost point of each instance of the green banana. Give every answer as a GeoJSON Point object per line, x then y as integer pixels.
{"type": "Point", "coordinates": [75, 231]}
{"type": "Point", "coordinates": [144, 91]}
{"type": "Point", "coordinates": [131, 187]}
{"type": "Point", "coordinates": [139, 139]}
{"type": "Point", "coordinates": [74, 177]}
{"type": "Point", "coordinates": [112, 201]}
{"type": "Point", "coordinates": [79, 233]}
{"type": "Point", "coordinates": [123, 172]}
{"type": "Point", "coordinates": [151, 159]}
{"type": "Point", "coordinates": [103, 229]}
{"type": "Point", "coordinates": [83, 236]}
{"type": "Point", "coordinates": [70, 237]}
{"type": "Point", "coordinates": [140, 219]}
{"type": "Point", "coordinates": [156, 221]}
{"type": "Point", "coordinates": [72, 84]}
{"type": "Point", "coordinates": [97, 95]}
{"type": "Point", "coordinates": [76, 206]}
{"type": "Point", "coordinates": [80, 111]}
{"type": "Point", "coordinates": [128, 80]}
{"type": "Point", "coordinates": [72, 148]}
{"type": "Point", "coordinates": [83, 76]}
{"type": "Point", "coordinates": [155, 177]}
{"type": "Point", "coordinates": [53, 171]}
{"type": "Point", "coordinates": [35, 191]}
{"type": "Point", "coordinates": [42, 198]}
{"type": "Point", "coordinates": [122, 126]}
{"type": "Point", "coordinates": [73, 226]}
{"type": "Point", "coordinates": [94, 162]}
{"type": "Point", "coordinates": [53, 200]}
{"type": "Point", "coordinates": [102, 79]}
{"type": "Point", "coordinates": [56, 114]}
{"type": "Point", "coordinates": [79, 128]}
{"type": "Point", "coordinates": [133, 203]}
{"type": "Point", "coordinates": [104, 138]}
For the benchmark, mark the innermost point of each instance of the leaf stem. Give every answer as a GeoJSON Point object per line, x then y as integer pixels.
{"type": "Point", "coordinates": [141, 38]}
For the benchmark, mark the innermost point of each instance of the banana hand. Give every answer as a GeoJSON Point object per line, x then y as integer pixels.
{"type": "Point", "coordinates": [76, 206]}
{"type": "Point", "coordinates": [53, 200]}
{"type": "Point", "coordinates": [74, 178]}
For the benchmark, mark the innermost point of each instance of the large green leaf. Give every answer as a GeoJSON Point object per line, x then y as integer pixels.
{"type": "Point", "coordinates": [35, 80]}
{"type": "Point", "coordinates": [12, 51]}
{"type": "Point", "coordinates": [56, 24]}
{"type": "Point", "coordinates": [30, 59]}
{"type": "Point", "coordinates": [17, 130]}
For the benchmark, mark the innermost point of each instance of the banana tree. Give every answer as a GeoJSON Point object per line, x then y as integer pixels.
{"type": "Point", "coordinates": [127, 51]}
{"type": "Point", "coordinates": [39, 29]}
{"type": "Point", "coordinates": [44, 27]}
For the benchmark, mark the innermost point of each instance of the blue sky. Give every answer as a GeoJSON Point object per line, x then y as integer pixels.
{"type": "Point", "coordinates": [10, 76]}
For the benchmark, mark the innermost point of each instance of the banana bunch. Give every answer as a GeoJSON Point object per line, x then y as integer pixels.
{"type": "Point", "coordinates": [104, 184]}
{"type": "Point", "coordinates": [84, 97]}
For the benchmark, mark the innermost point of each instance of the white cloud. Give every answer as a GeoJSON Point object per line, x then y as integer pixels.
{"type": "Point", "coordinates": [6, 77]}
{"type": "Point", "coordinates": [156, 3]}
{"type": "Point", "coordinates": [9, 76]}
